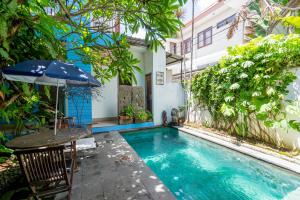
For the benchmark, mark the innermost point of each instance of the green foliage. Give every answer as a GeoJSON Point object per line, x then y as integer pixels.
{"type": "Point", "coordinates": [250, 84]}
{"type": "Point", "coordinates": [141, 114]}
{"type": "Point", "coordinates": [4, 149]}
{"type": "Point", "coordinates": [137, 113]}
{"type": "Point", "coordinates": [27, 32]}
{"type": "Point", "coordinates": [5, 152]}
{"type": "Point", "coordinates": [128, 111]}
{"type": "Point", "coordinates": [149, 115]}
{"type": "Point", "coordinates": [22, 106]}
{"type": "Point", "coordinates": [293, 21]}
{"type": "Point", "coordinates": [93, 43]}
{"type": "Point", "coordinates": [2, 138]}
{"type": "Point", "coordinates": [23, 37]}
{"type": "Point", "coordinates": [264, 16]}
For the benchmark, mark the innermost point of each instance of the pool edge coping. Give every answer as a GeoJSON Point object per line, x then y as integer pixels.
{"type": "Point", "coordinates": [244, 149]}
{"type": "Point", "coordinates": [120, 133]}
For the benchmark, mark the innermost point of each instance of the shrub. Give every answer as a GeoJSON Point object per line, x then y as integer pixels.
{"type": "Point", "coordinates": [149, 115]}
{"type": "Point", "coordinates": [250, 84]}
{"type": "Point", "coordinates": [141, 114]}
{"type": "Point", "coordinates": [128, 111]}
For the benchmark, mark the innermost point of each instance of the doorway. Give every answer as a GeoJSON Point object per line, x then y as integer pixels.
{"type": "Point", "coordinates": [149, 92]}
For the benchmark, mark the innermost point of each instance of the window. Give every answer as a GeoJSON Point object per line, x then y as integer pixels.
{"type": "Point", "coordinates": [205, 37]}
{"type": "Point", "coordinates": [226, 21]}
{"type": "Point", "coordinates": [173, 47]}
{"type": "Point", "coordinates": [186, 46]}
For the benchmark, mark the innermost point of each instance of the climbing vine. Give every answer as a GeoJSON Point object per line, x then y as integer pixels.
{"type": "Point", "coordinates": [250, 85]}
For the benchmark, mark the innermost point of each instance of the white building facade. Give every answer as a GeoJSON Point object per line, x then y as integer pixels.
{"type": "Point", "coordinates": [159, 97]}
{"type": "Point", "coordinates": [210, 37]}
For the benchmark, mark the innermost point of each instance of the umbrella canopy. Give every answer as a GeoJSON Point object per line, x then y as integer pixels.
{"type": "Point", "coordinates": [54, 73]}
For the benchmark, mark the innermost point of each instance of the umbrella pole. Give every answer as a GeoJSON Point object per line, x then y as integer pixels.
{"type": "Point", "coordinates": [56, 102]}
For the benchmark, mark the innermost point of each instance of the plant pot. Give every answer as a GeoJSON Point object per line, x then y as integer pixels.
{"type": "Point", "coordinates": [125, 120]}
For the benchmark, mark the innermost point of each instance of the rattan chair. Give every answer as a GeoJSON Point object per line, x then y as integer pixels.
{"type": "Point", "coordinates": [45, 171]}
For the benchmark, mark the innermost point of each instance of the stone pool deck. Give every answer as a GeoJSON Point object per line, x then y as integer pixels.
{"type": "Point", "coordinates": [113, 171]}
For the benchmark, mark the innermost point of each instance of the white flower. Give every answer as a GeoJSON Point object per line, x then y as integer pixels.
{"type": "Point", "coordinates": [243, 75]}
{"type": "Point", "coordinates": [230, 57]}
{"type": "Point", "coordinates": [282, 50]}
{"type": "Point", "coordinates": [223, 70]}
{"type": "Point", "coordinates": [256, 76]}
{"type": "Point", "coordinates": [235, 64]}
{"type": "Point", "coordinates": [245, 103]}
{"type": "Point", "coordinates": [229, 98]}
{"type": "Point", "coordinates": [252, 107]}
{"type": "Point", "coordinates": [268, 55]}
{"type": "Point", "coordinates": [247, 64]}
{"type": "Point", "coordinates": [256, 94]}
{"type": "Point", "coordinates": [272, 41]}
{"type": "Point", "coordinates": [270, 91]}
{"type": "Point", "coordinates": [266, 107]}
{"type": "Point", "coordinates": [281, 96]}
{"type": "Point", "coordinates": [259, 56]}
{"type": "Point", "coordinates": [234, 86]}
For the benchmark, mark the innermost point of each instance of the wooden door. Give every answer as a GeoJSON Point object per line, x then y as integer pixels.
{"type": "Point", "coordinates": [149, 92]}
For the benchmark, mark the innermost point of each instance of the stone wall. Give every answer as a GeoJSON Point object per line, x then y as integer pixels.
{"type": "Point", "coordinates": [134, 95]}
{"type": "Point", "coordinates": [138, 97]}
{"type": "Point", "coordinates": [125, 96]}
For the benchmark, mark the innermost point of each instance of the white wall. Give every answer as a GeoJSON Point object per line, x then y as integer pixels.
{"type": "Point", "coordinates": [106, 105]}
{"type": "Point", "coordinates": [167, 96]}
{"type": "Point", "coordinates": [164, 97]}
{"type": "Point", "coordinates": [140, 76]}
{"type": "Point", "coordinates": [219, 40]}
{"type": "Point", "coordinates": [292, 137]}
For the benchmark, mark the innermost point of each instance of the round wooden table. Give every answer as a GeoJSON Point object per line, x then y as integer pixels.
{"type": "Point", "coordinates": [46, 138]}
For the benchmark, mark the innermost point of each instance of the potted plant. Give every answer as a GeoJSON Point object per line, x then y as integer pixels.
{"type": "Point", "coordinates": [141, 116]}
{"type": "Point", "coordinates": [149, 116]}
{"type": "Point", "coordinates": [126, 116]}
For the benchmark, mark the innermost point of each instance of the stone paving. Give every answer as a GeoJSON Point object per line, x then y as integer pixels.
{"type": "Point", "coordinates": [113, 171]}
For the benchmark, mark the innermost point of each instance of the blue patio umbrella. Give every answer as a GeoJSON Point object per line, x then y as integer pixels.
{"type": "Point", "coordinates": [55, 73]}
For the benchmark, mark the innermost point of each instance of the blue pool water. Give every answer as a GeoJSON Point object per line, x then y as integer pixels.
{"type": "Point", "coordinates": [193, 168]}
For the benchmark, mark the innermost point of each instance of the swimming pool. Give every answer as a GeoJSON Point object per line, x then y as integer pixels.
{"type": "Point", "coordinates": [193, 168]}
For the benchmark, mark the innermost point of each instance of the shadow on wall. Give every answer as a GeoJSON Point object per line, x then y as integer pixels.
{"type": "Point", "coordinates": [282, 137]}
